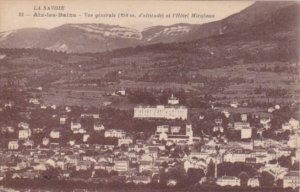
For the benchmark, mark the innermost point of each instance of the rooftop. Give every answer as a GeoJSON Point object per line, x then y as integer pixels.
{"type": "Point", "coordinates": [228, 178]}
{"type": "Point", "coordinates": [163, 106]}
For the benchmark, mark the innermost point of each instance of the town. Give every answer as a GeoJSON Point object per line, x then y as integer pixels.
{"type": "Point", "coordinates": [163, 145]}
{"type": "Point", "coordinates": [162, 96]}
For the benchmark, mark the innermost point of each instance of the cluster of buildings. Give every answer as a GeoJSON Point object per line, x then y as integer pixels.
{"type": "Point", "coordinates": [139, 161]}
{"type": "Point", "coordinates": [175, 135]}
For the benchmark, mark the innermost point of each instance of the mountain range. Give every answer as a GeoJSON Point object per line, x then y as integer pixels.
{"type": "Point", "coordinates": [259, 18]}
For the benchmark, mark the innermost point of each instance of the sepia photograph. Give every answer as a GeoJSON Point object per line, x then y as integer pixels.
{"type": "Point", "coordinates": [149, 96]}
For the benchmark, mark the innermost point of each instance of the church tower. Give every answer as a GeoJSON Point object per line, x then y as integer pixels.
{"type": "Point", "coordinates": [189, 133]}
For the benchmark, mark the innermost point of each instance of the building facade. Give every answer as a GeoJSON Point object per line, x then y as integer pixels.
{"type": "Point", "coordinates": [161, 112]}
{"type": "Point", "coordinates": [13, 145]}
{"type": "Point", "coordinates": [291, 179]}
{"type": "Point", "coordinates": [253, 182]}
{"type": "Point", "coordinates": [24, 134]}
{"type": "Point", "coordinates": [121, 165]}
{"type": "Point", "coordinates": [114, 133]}
{"type": "Point", "coordinates": [228, 181]}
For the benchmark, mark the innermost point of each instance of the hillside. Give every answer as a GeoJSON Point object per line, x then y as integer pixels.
{"type": "Point", "coordinates": [240, 65]}
{"type": "Point", "coordinates": [99, 37]}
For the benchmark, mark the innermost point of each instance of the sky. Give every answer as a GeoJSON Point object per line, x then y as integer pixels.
{"type": "Point", "coordinates": [11, 12]}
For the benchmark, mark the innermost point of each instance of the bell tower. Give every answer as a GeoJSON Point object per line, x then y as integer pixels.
{"type": "Point", "coordinates": [189, 133]}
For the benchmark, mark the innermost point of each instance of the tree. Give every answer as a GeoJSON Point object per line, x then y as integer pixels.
{"type": "Point", "coordinates": [273, 161]}
{"type": "Point", "coordinates": [236, 169]}
{"type": "Point", "coordinates": [86, 174]}
{"type": "Point", "coordinates": [176, 174]}
{"type": "Point", "coordinates": [285, 161]}
{"type": "Point", "coordinates": [101, 173]}
{"type": "Point", "coordinates": [50, 173]}
{"type": "Point", "coordinates": [266, 180]}
{"type": "Point", "coordinates": [210, 169]}
{"type": "Point", "coordinates": [194, 175]}
{"type": "Point", "coordinates": [244, 179]}
{"type": "Point", "coordinates": [279, 183]}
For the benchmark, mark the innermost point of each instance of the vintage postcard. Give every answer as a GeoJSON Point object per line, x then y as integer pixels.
{"type": "Point", "coordinates": [149, 96]}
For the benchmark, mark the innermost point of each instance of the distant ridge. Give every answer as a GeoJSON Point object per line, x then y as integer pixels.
{"type": "Point", "coordinates": [102, 37]}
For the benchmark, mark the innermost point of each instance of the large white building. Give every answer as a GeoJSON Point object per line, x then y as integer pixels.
{"type": "Point", "coordinates": [125, 141]}
{"type": "Point", "coordinates": [291, 125]}
{"type": "Point", "coordinates": [237, 155]}
{"type": "Point", "coordinates": [228, 181]}
{"type": "Point", "coordinates": [294, 123]}
{"type": "Point", "coordinates": [161, 111]}
{"type": "Point", "coordinates": [13, 145]}
{"type": "Point", "coordinates": [75, 124]}
{"type": "Point", "coordinates": [98, 126]}
{"type": "Point", "coordinates": [244, 127]}
{"type": "Point", "coordinates": [63, 119]}
{"type": "Point", "coordinates": [294, 140]}
{"type": "Point", "coordinates": [173, 134]}
{"type": "Point", "coordinates": [114, 133]}
{"type": "Point", "coordinates": [24, 133]}
{"type": "Point", "coordinates": [246, 133]}
{"type": "Point", "coordinates": [121, 165]}
{"type": "Point", "coordinates": [55, 134]}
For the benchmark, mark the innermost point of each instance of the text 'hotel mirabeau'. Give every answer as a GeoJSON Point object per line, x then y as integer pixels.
{"type": "Point", "coordinates": [161, 111]}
